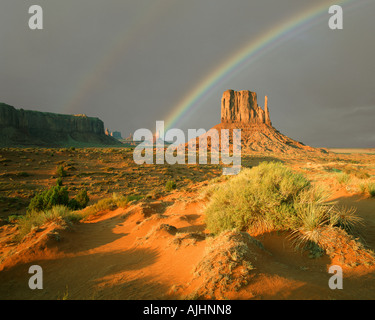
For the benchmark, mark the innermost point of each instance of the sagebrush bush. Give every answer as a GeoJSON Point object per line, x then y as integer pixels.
{"type": "Point", "coordinates": [60, 172]}
{"type": "Point", "coordinates": [59, 182]}
{"type": "Point", "coordinates": [271, 197]}
{"type": "Point", "coordinates": [170, 185]}
{"type": "Point", "coordinates": [80, 201]}
{"type": "Point", "coordinates": [264, 195]}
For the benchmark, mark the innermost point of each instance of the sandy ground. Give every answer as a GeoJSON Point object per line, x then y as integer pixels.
{"type": "Point", "coordinates": [131, 254]}
{"type": "Point", "coordinates": [149, 250]}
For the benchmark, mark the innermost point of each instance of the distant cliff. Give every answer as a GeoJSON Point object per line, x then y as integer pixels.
{"type": "Point", "coordinates": [34, 128]}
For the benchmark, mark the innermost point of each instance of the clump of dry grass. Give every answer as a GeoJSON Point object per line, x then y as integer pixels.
{"type": "Point", "coordinates": [368, 187]}
{"type": "Point", "coordinates": [345, 218]}
{"type": "Point", "coordinates": [116, 201]}
{"type": "Point", "coordinates": [34, 219]}
{"type": "Point", "coordinates": [315, 218]}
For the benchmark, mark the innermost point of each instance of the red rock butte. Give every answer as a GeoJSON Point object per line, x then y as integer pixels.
{"type": "Point", "coordinates": [240, 110]}
{"type": "Point", "coordinates": [242, 107]}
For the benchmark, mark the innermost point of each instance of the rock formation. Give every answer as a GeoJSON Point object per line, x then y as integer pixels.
{"type": "Point", "coordinates": [34, 128]}
{"type": "Point", "coordinates": [242, 107]}
{"type": "Point", "coordinates": [116, 135]}
{"type": "Point", "coordinates": [240, 110]}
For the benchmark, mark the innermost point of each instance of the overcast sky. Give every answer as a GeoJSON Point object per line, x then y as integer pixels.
{"type": "Point", "coordinates": [131, 62]}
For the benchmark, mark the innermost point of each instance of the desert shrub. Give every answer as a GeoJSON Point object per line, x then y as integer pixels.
{"type": "Point", "coordinates": [80, 201]}
{"type": "Point", "coordinates": [120, 200]}
{"type": "Point", "coordinates": [371, 189]}
{"type": "Point", "coordinates": [116, 201]}
{"type": "Point", "coordinates": [358, 173]}
{"type": "Point", "coordinates": [23, 174]}
{"type": "Point", "coordinates": [60, 172]}
{"type": "Point", "coordinates": [343, 178]}
{"type": "Point", "coordinates": [362, 175]}
{"type": "Point", "coordinates": [58, 195]}
{"type": "Point", "coordinates": [45, 200]}
{"type": "Point", "coordinates": [170, 185]}
{"type": "Point", "coordinates": [34, 219]}
{"type": "Point", "coordinates": [368, 187]}
{"type": "Point", "coordinates": [13, 218]}
{"type": "Point", "coordinates": [362, 187]}
{"type": "Point", "coordinates": [271, 197]}
{"type": "Point", "coordinates": [263, 196]}
{"type": "Point", "coordinates": [82, 198]}
{"type": "Point", "coordinates": [311, 218]}
{"type": "Point", "coordinates": [314, 221]}
{"type": "Point", "coordinates": [345, 218]}
{"type": "Point", "coordinates": [133, 198]}
{"type": "Point", "coordinates": [59, 182]}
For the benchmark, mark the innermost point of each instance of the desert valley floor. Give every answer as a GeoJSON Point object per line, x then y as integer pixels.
{"type": "Point", "coordinates": [154, 245]}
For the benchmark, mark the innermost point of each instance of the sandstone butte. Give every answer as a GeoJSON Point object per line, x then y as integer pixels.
{"type": "Point", "coordinates": [240, 110]}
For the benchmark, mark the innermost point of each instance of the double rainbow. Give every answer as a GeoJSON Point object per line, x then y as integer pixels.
{"type": "Point", "coordinates": [247, 55]}
{"type": "Point", "coordinates": [238, 62]}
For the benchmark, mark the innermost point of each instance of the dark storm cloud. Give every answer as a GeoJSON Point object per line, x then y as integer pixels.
{"type": "Point", "coordinates": [131, 62]}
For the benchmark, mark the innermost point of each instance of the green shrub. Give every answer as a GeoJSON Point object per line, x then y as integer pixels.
{"type": "Point", "coordinates": [261, 197]}
{"type": "Point", "coordinates": [134, 198]}
{"type": "Point", "coordinates": [13, 218]}
{"type": "Point", "coordinates": [80, 201]}
{"type": "Point", "coordinates": [61, 172]}
{"type": "Point", "coordinates": [57, 195]}
{"type": "Point", "coordinates": [170, 185]}
{"type": "Point", "coordinates": [59, 182]}
{"type": "Point", "coordinates": [23, 174]}
{"type": "Point", "coordinates": [371, 189]}
{"type": "Point", "coordinates": [271, 197]}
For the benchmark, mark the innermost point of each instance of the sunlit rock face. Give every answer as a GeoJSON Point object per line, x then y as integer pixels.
{"type": "Point", "coordinates": [242, 106]}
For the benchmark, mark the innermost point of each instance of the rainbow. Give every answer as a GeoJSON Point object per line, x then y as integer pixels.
{"type": "Point", "coordinates": [247, 55]}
